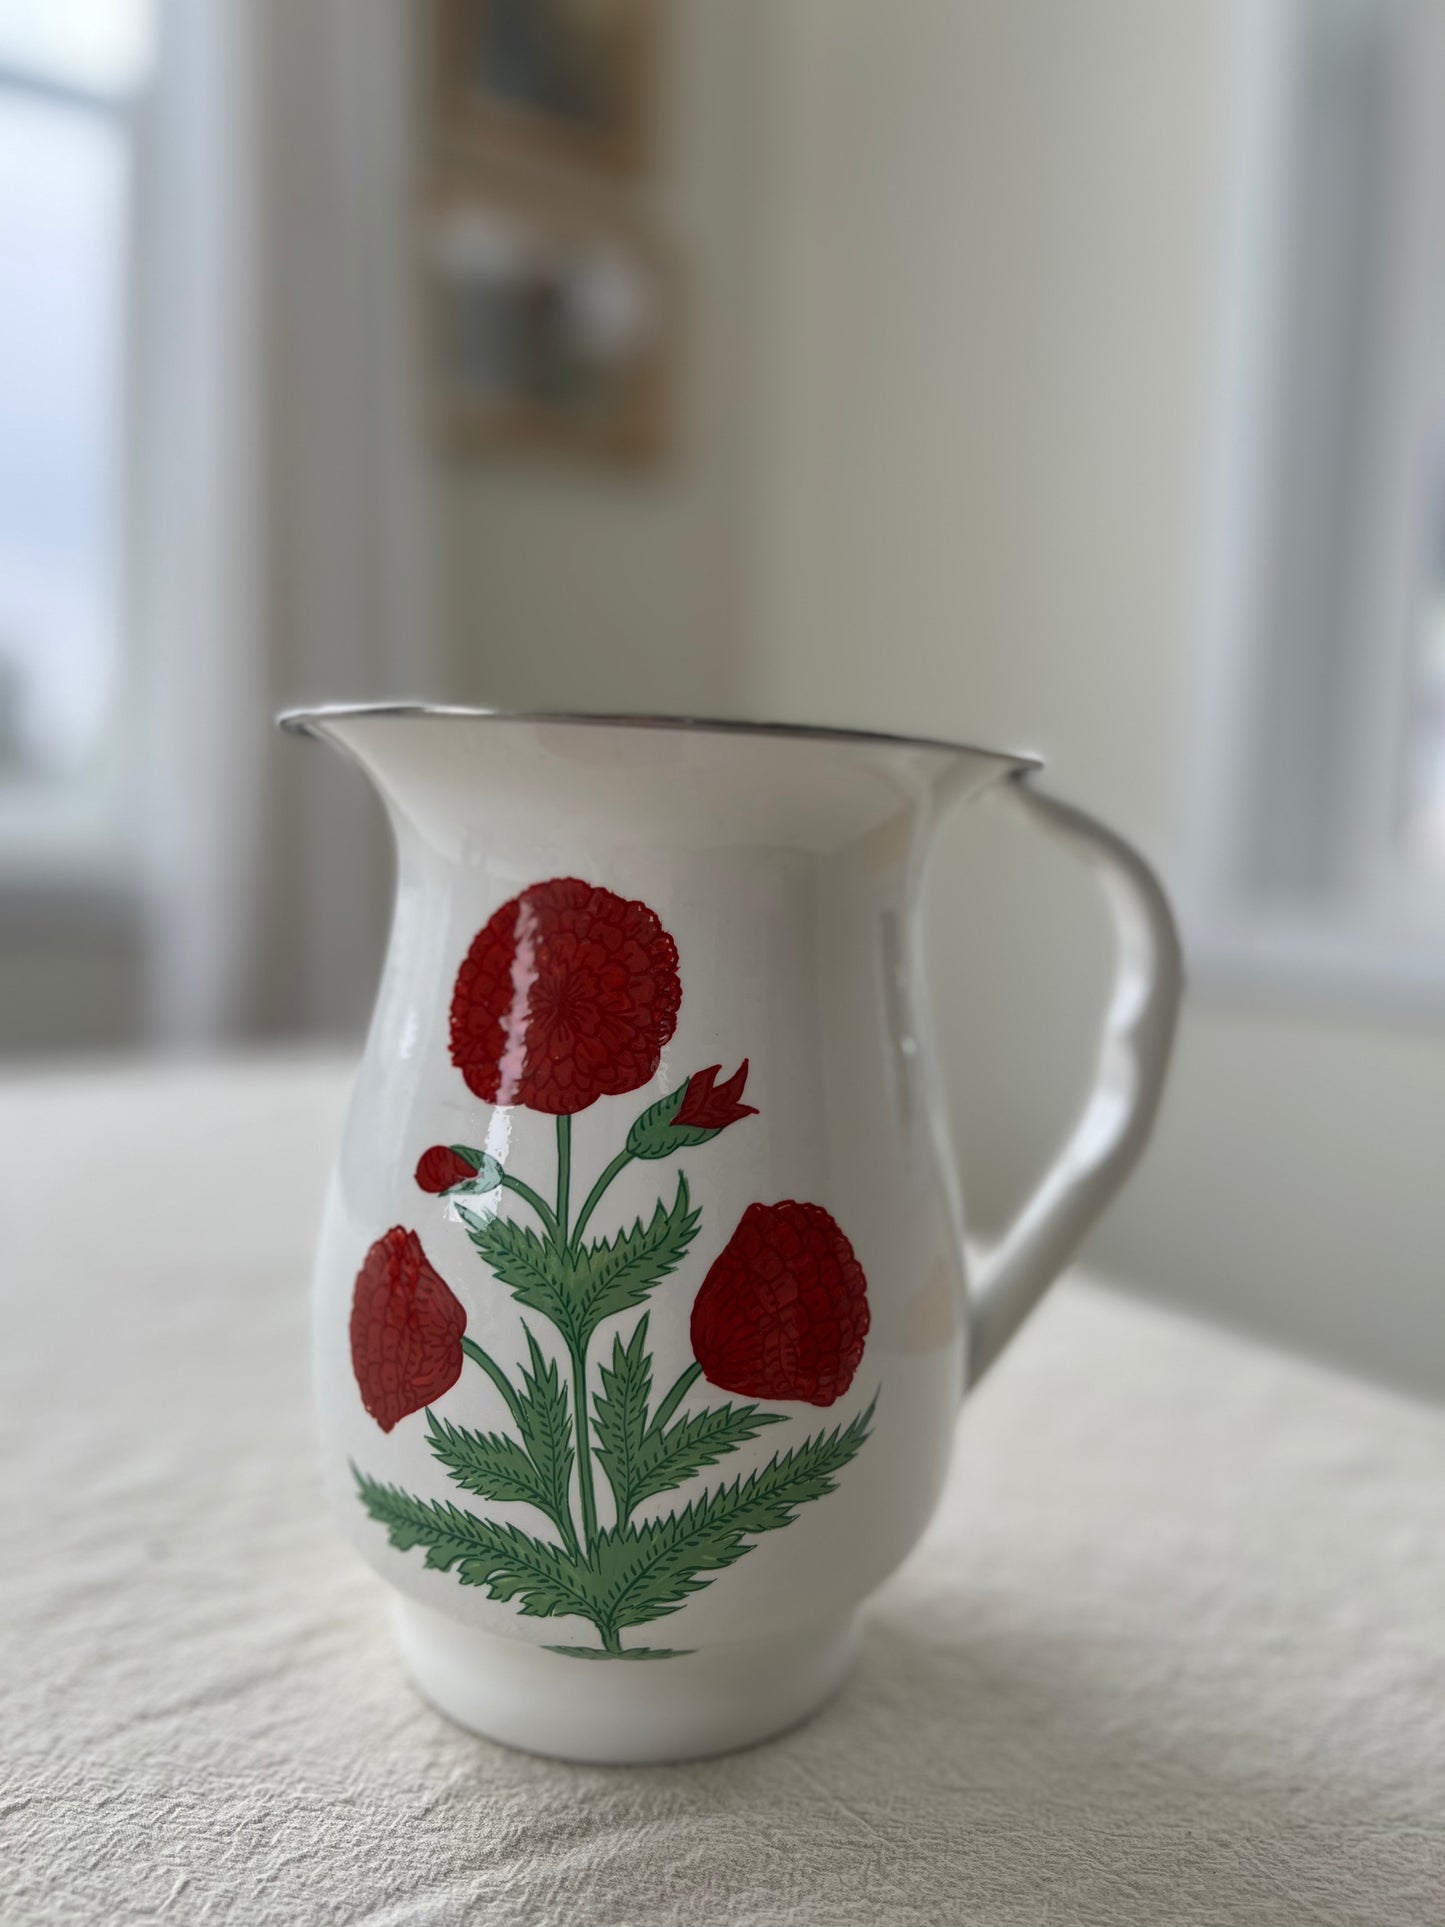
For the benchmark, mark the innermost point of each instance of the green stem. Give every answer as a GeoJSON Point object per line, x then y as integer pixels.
{"type": "Point", "coordinates": [611, 1639]}
{"type": "Point", "coordinates": [578, 1349]}
{"type": "Point", "coordinates": [538, 1204]}
{"type": "Point", "coordinates": [566, 1527]}
{"type": "Point", "coordinates": [594, 1196]}
{"type": "Point", "coordinates": [498, 1377]}
{"type": "Point", "coordinates": [584, 1448]}
{"type": "Point", "coordinates": [564, 1177]}
{"type": "Point", "coordinates": [675, 1397]}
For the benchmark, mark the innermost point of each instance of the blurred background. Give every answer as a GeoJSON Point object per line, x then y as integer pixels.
{"type": "Point", "coordinates": [1067, 375]}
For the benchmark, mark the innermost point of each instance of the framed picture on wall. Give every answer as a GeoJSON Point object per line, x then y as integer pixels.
{"type": "Point", "coordinates": [553, 326]}
{"type": "Point", "coordinates": [551, 80]}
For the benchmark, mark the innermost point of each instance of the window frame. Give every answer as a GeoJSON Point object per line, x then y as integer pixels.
{"type": "Point", "coordinates": [1367, 930]}
{"type": "Point", "coordinates": [84, 836]}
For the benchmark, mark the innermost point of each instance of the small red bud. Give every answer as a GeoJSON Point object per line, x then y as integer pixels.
{"type": "Point", "coordinates": [443, 1166]}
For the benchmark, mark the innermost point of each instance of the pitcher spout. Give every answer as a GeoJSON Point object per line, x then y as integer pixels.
{"type": "Point", "coordinates": [452, 775]}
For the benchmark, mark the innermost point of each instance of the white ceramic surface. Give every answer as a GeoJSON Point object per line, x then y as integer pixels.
{"type": "Point", "coordinates": [566, 859]}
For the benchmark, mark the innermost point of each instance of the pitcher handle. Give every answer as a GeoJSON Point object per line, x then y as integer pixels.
{"type": "Point", "coordinates": [1114, 1127]}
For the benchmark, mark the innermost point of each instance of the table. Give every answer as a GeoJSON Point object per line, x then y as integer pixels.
{"type": "Point", "coordinates": [1173, 1651]}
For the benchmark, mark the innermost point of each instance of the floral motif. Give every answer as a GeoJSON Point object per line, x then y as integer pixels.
{"type": "Point", "coordinates": [406, 1329]}
{"type": "Point", "coordinates": [783, 1312]}
{"type": "Point", "coordinates": [691, 1114]}
{"type": "Point", "coordinates": [568, 994]}
{"type": "Point", "coordinates": [713, 1109]}
{"type": "Point", "coordinates": [439, 1168]}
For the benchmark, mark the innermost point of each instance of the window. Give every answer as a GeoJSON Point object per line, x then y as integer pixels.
{"type": "Point", "coordinates": [1319, 822]}
{"type": "Point", "coordinates": [1422, 823]}
{"type": "Point", "coordinates": [72, 75]}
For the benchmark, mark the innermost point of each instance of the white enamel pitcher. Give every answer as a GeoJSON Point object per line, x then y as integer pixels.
{"type": "Point", "coordinates": [641, 1318]}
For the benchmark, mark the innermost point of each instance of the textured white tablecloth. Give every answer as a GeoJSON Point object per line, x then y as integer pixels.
{"type": "Point", "coordinates": [1174, 1650]}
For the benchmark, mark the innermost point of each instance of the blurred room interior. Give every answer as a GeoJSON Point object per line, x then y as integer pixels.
{"type": "Point", "coordinates": [1068, 378]}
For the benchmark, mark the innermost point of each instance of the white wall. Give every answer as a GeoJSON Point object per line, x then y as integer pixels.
{"type": "Point", "coordinates": [988, 265]}
{"type": "Point", "coordinates": [605, 589]}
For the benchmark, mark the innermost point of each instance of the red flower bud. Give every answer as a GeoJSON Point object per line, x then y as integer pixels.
{"type": "Point", "coordinates": [710, 1109]}
{"type": "Point", "coordinates": [783, 1312]}
{"type": "Point", "coordinates": [443, 1166]}
{"type": "Point", "coordinates": [568, 994]}
{"type": "Point", "coordinates": [692, 1114]}
{"type": "Point", "coordinates": [406, 1329]}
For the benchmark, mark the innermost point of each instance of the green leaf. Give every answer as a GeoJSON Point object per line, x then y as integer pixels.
{"type": "Point", "coordinates": [648, 1571]}
{"type": "Point", "coordinates": [510, 1564]}
{"type": "Point", "coordinates": [628, 1652]}
{"type": "Point", "coordinates": [667, 1458]}
{"type": "Point", "coordinates": [539, 1471]}
{"type": "Point", "coordinates": [488, 1464]}
{"type": "Point", "coordinates": [620, 1410]}
{"type": "Point", "coordinates": [546, 1421]}
{"type": "Point", "coordinates": [525, 1262]}
{"type": "Point", "coordinates": [609, 1277]}
{"type": "Point", "coordinates": [576, 1290]}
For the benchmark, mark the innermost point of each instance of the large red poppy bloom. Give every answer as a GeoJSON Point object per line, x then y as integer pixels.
{"type": "Point", "coordinates": [567, 995]}
{"type": "Point", "coordinates": [406, 1329]}
{"type": "Point", "coordinates": [783, 1312]}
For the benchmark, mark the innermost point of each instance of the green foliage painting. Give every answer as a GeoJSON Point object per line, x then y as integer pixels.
{"type": "Point", "coordinates": [781, 1316]}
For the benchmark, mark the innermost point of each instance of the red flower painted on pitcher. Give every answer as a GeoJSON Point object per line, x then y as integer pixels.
{"type": "Point", "coordinates": [783, 1312]}
{"type": "Point", "coordinates": [406, 1329]}
{"type": "Point", "coordinates": [568, 994]}
{"type": "Point", "coordinates": [692, 1114]}
{"type": "Point", "coordinates": [442, 1166]}
{"type": "Point", "coordinates": [710, 1106]}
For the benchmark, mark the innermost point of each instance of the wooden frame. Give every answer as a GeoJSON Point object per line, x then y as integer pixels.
{"type": "Point", "coordinates": [504, 70]}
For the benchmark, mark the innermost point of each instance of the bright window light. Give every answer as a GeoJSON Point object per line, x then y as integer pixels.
{"type": "Point", "coordinates": [63, 245]}
{"type": "Point", "coordinates": [96, 46]}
